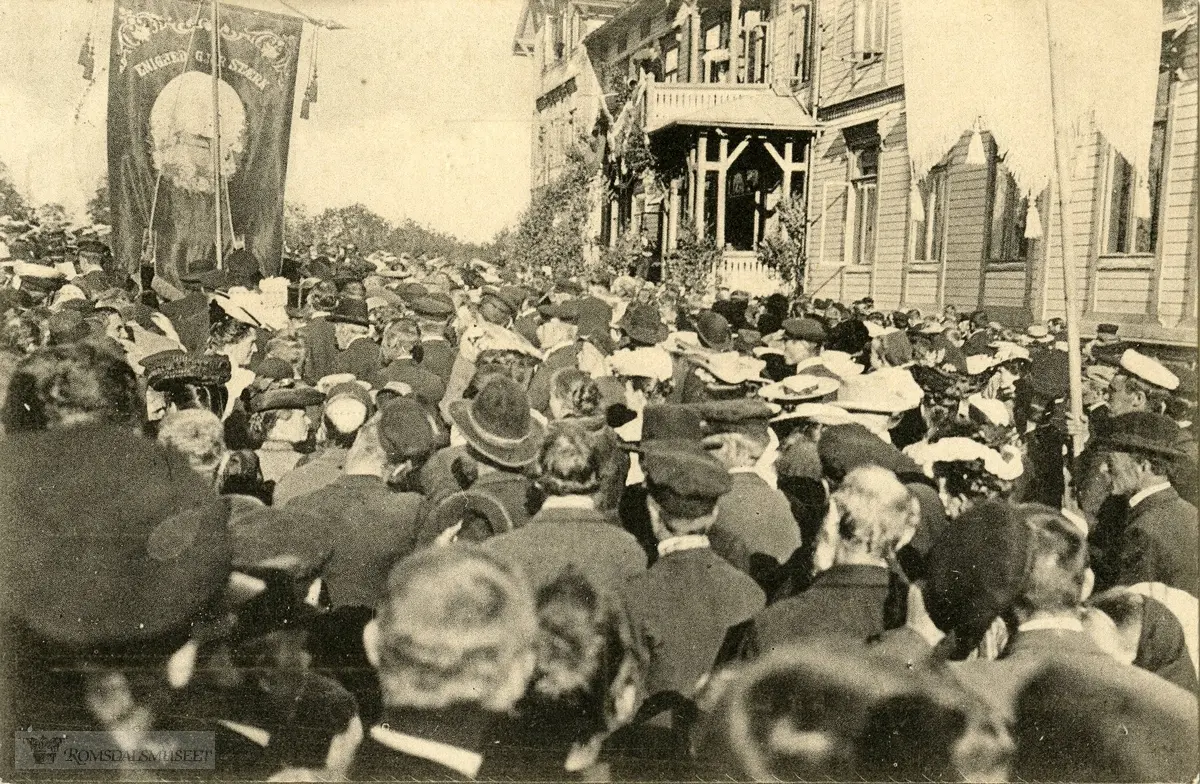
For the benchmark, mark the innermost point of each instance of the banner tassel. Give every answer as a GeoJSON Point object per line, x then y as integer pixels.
{"type": "Point", "coordinates": [1033, 222]}
{"type": "Point", "coordinates": [916, 205]}
{"type": "Point", "coordinates": [975, 154]}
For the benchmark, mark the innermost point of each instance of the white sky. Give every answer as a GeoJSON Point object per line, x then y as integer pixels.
{"type": "Point", "coordinates": [423, 112]}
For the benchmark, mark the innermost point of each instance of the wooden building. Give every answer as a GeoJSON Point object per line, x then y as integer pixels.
{"type": "Point", "coordinates": [745, 102]}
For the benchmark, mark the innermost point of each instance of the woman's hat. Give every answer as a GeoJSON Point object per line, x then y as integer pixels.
{"type": "Point", "coordinates": [799, 387]}
{"type": "Point", "coordinates": [497, 423]}
{"type": "Point", "coordinates": [351, 310]}
{"type": "Point", "coordinates": [642, 324]}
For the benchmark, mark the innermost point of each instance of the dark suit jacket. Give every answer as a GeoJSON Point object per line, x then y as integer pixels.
{"type": "Point", "coordinates": [539, 385]}
{"type": "Point", "coordinates": [852, 600]}
{"type": "Point", "coordinates": [361, 358]}
{"type": "Point", "coordinates": [427, 386]}
{"type": "Point", "coordinates": [1160, 543]}
{"type": "Point", "coordinates": [683, 606]}
{"type": "Point", "coordinates": [581, 538]}
{"type": "Point", "coordinates": [320, 349]}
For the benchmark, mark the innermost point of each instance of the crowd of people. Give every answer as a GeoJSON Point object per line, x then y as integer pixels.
{"type": "Point", "coordinates": [384, 517]}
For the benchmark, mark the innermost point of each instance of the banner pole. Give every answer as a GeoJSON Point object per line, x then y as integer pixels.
{"type": "Point", "coordinates": [1060, 182]}
{"type": "Point", "coordinates": [215, 53]}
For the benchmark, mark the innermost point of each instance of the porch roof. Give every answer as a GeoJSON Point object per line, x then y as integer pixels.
{"type": "Point", "coordinates": [768, 111]}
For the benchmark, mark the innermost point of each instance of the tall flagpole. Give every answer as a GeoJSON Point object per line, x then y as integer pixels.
{"type": "Point", "coordinates": [215, 53]}
{"type": "Point", "coordinates": [1060, 185]}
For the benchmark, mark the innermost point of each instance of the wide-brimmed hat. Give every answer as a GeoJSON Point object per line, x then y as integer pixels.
{"type": "Point", "coordinates": [799, 387]}
{"type": "Point", "coordinates": [642, 324]}
{"type": "Point", "coordinates": [497, 423]}
{"type": "Point", "coordinates": [351, 310]}
{"type": "Point", "coordinates": [288, 397]}
{"type": "Point", "coordinates": [172, 365]}
{"type": "Point", "coordinates": [1142, 431]}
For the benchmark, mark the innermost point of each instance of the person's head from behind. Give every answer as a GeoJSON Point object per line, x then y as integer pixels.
{"type": "Point", "coordinates": [1139, 451]}
{"type": "Point", "coordinates": [569, 463]}
{"type": "Point", "coordinates": [324, 296]}
{"type": "Point", "coordinates": [573, 393]}
{"type": "Point", "coordinates": [683, 485]}
{"type": "Point", "coordinates": [871, 515]}
{"type": "Point", "coordinates": [399, 339]}
{"type": "Point", "coordinates": [457, 628]}
{"type": "Point", "coordinates": [199, 435]}
{"type": "Point", "coordinates": [73, 384]}
{"type": "Point", "coordinates": [740, 449]}
{"type": "Point", "coordinates": [589, 677]}
{"type": "Point", "coordinates": [1058, 579]}
{"type": "Point", "coordinates": [186, 395]}
{"type": "Point", "coordinates": [234, 339]}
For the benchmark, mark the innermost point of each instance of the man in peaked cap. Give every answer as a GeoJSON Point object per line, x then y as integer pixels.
{"type": "Point", "coordinates": [1158, 540]}
{"type": "Point", "coordinates": [755, 521]}
{"type": "Point", "coordinates": [433, 312]}
{"type": "Point", "coordinates": [689, 598]}
{"type": "Point", "coordinates": [1142, 383]}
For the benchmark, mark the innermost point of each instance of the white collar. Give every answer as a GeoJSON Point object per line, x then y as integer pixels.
{"type": "Point", "coordinates": [1051, 622]}
{"type": "Point", "coordinates": [433, 339]}
{"type": "Point", "coordinates": [1142, 495]}
{"type": "Point", "coordinates": [744, 470]}
{"type": "Point", "coordinates": [569, 502]}
{"type": "Point", "coordinates": [457, 759]}
{"type": "Point", "coordinates": [679, 543]}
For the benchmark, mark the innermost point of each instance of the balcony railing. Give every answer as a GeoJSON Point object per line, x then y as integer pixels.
{"type": "Point", "coordinates": [668, 101]}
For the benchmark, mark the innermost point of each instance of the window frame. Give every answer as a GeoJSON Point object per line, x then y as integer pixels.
{"type": "Point", "coordinates": [857, 220]}
{"type": "Point", "coordinates": [934, 189]}
{"type": "Point", "coordinates": [869, 38]}
{"type": "Point", "coordinates": [996, 168]}
{"type": "Point", "coordinates": [800, 65]}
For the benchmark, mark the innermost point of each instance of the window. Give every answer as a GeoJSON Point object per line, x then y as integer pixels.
{"type": "Point", "coordinates": [930, 234]}
{"type": "Point", "coordinates": [754, 41]}
{"type": "Point", "coordinates": [799, 36]}
{"type": "Point", "coordinates": [1007, 208]}
{"type": "Point", "coordinates": [861, 207]}
{"type": "Point", "coordinates": [869, 16]}
{"type": "Point", "coordinates": [671, 64]}
{"type": "Point", "coordinates": [1132, 219]}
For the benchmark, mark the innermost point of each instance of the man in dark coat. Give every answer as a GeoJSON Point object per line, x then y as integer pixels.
{"type": "Point", "coordinates": [369, 525]}
{"type": "Point", "coordinates": [433, 312]}
{"type": "Point", "coordinates": [1158, 542]}
{"type": "Point", "coordinates": [453, 643]}
{"type": "Point", "coordinates": [399, 349]}
{"type": "Point", "coordinates": [687, 601]}
{"type": "Point", "coordinates": [855, 592]}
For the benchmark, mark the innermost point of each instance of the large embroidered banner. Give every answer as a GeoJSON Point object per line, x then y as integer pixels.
{"type": "Point", "coordinates": [161, 132]}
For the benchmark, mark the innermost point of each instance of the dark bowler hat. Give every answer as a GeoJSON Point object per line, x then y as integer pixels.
{"type": "Point", "coordinates": [172, 365]}
{"type": "Point", "coordinates": [209, 280]}
{"type": "Point", "coordinates": [714, 331]}
{"type": "Point", "coordinates": [508, 297]}
{"type": "Point", "coordinates": [1143, 432]}
{"type": "Point", "coordinates": [497, 423]}
{"type": "Point", "coordinates": [243, 268]}
{"type": "Point", "coordinates": [130, 545]}
{"type": "Point", "coordinates": [804, 329]}
{"type": "Point", "coordinates": [289, 397]}
{"type": "Point", "coordinates": [351, 310]}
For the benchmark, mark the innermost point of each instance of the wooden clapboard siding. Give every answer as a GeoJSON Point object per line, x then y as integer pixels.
{"type": "Point", "coordinates": [1004, 289]}
{"type": "Point", "coordinates": [1123, 291]}
{"type": "Point", "coordinates": [921, 287]}
{"type": "Point", "coordinates": [828, 213]}
{"type": "Point", "coordinates": [1082, 214]}
{"type": "Point", "coordinates": [843, 79]}
{"type": "Point", "coordinates": [1177, 273]}
{"type": "Point", "coordinates": [966, 222]}
{"type": "Point", "coordinates": [894, 66]}
{"type": "Point", "coordinates": [856, 284]}
{"type": "Point", "coordinates": [892, 218]}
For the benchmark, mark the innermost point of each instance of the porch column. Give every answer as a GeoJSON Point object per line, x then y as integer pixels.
{"type": "Point", "coordinates": [787, 170]}
{"type": "Point", "coordinates": [694, 53]}
{"type": "Point", "coordinates": [672, 216]}
{"type": "Point", "coordinates": [701, 181]}
{"type": "Point", "coordinates": [722, 170]}
{"type": "Point", "coordinates": [614, 222]}
{"type": "Point", "coordinates": [735, 35]}
{"type": "Point", "coordinates": [691, 175]}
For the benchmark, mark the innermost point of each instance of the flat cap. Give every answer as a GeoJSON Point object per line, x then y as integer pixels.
{"type": "Point", "coordinates": [804, 329]}
{"type": "Point", "coordinates": [684, 468]}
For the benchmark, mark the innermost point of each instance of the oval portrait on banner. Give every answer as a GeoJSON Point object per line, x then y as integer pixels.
{"type": "Point", "coordinates": [182, 131]}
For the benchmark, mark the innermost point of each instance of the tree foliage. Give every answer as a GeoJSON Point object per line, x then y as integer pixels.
{"type": "Point", "coordinates": [360, 226]}
{"type": "Point", "coordinates": [98, 209]}
{"type": "Point", "coordinates": [12, 203]}
{"type": "Point", "coordinates": [783, 249]}
{"type": "Point", "coordinates": [693, 266]}
{"type": "Point", "coordinates": [552, 231]}
{"type": "Point", "coordinates": [52, 215]}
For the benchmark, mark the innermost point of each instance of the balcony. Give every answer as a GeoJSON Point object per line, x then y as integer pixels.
{"type": "Point", "coordinates": [668, 102]}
